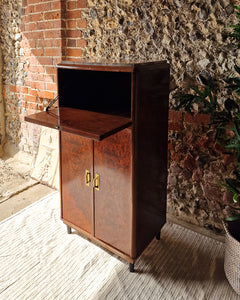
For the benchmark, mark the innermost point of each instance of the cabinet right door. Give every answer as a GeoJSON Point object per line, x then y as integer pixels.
{"type": "Point", "coordinates": [113, 200]}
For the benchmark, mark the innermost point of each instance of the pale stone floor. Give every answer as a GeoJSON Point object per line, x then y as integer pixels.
{"type": "Point", "coordinates": [17, 188]}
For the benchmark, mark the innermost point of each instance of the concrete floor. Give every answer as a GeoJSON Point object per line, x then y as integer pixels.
{"type": "Point", "coordinates": [19, 201]}
{"type": "Point", "coordinates": [17, 188]}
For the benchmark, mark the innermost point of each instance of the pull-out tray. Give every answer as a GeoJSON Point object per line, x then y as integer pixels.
{"type": "Point", "coordinates": [93, 125]}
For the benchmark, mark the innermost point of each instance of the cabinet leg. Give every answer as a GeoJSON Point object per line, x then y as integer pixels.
{"type": "Point", "coordinates": [69, 229]}
{"type": "Point", "coordinates": [158, 236]}
{"type": "Point", "coordinates": [131, 267]}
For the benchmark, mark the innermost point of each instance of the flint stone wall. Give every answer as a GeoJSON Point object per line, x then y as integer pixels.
{"type": "Point", "coordinates": [193, 37]}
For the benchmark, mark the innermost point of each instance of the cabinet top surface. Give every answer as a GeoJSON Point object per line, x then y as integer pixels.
{"type": "Point", "coordinates": [89, 124]}
{"type": "Point", "coordinates": [121, 66]}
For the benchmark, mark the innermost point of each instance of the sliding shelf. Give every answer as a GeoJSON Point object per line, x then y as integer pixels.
{"type": "Point", "coordinates": [93, 125]}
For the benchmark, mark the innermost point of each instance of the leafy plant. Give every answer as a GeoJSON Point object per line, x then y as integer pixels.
{"type": "Point", "coordinates": [235, 35]}
{"type": "Point", "coordinates": [226, 120]}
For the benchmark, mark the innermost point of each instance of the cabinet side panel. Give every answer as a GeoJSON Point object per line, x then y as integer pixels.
{"type": "Point", "coordinates": [150, 153]}
{"type": "Point", "coordinates": [76, 157]}
{"type": "Point", "coordinates": [113, 201]}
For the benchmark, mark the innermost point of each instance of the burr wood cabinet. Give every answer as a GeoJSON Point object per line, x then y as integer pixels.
{"type": "Point", "coordinates": [112, 122]}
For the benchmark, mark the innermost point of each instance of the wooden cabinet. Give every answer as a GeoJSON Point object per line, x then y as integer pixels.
{"type": "Point", "coordinates": [113, 122]}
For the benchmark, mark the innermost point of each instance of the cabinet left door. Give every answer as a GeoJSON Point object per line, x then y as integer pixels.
{"type": "Point", "coordinates": [76, 165]}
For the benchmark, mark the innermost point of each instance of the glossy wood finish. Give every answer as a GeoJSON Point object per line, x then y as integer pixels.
{"type": "Point", "coordinates": [76, 197]}
{"type": "Point", "coordinates": [150, 155]}
{"type": "Point", "coordinates": [113, 201]}
{"type": "Point", "coordinates": [129, 210]}
{"type": "Point", "coordinates": [88, 124]}
{"type": "Point", "coordinates": [107, 67]}
{"type": "Point", "coordinates": [90, 237]}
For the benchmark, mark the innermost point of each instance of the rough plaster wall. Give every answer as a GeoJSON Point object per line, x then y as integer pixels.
{"type": "Point", "coordinates": [192, 37]}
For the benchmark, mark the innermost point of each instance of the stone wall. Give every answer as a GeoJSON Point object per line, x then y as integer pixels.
{"type": "Point", "coordinates": [13, 71]}
{"type": "Point", "coordinates": [190, 35]}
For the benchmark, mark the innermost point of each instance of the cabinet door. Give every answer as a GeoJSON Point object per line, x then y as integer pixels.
{"type": "Point", "coordinates": [113, 200]}
{"type": "Point", "coordinates": [76, 157]}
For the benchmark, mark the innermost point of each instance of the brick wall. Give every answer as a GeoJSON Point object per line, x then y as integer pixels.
{"type": "Point", "coordinates": [50, 32]}
{"type": "Point", "coordinates": [74, 25]}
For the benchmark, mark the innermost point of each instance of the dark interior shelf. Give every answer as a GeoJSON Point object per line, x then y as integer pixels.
{"type": "Point", "coordinates": [93, 125]}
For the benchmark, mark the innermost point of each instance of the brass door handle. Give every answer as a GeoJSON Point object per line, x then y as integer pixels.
{"type": "Point", "coordinates": [96, 182]}
{"type": "Point", "coordinates": [87, 177]}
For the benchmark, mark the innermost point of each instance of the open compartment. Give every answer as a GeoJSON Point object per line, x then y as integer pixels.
{"type": "Point", "coordinates": [99, 91]}
{"type": "Point", "coordinates": [95, 102]}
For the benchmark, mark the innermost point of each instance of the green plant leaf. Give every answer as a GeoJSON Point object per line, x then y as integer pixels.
{"type": "Point", "coordinates": [235, 198]}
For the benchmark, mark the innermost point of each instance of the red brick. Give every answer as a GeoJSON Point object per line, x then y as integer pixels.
{"type": "Point", "coordinates": [37, 85]}
{"type": "Point", "coordinates": [57, 43]}
{"type": "Point", "coordinates": [22, 27]}
{"type": "Point", "coordinates": [32, 106]}
{"type": "Point", "coordinates": [81, 3]}
{"type": "Point", "coordinates": [58, 24]}
{"type": "Point", "coordinates": [71, 24]}
{"type": "Point", "coordinates": [81, 43]}
{"type": "Point", "coordinates": [24, 90]}
{"type": "Point", "coordinates": [45, 60]}
{"type": "Point", "coordinates": [56, 5]}
{"type": "Point", "coordinates": [12, 88]}
{"type": "Point", "coordinates": [30, 26]}
{"type": "Point", "coordinates": [49, 78]}
{"type": "Point", "coordinates": [175, 126]}
{"type": "Point", "coordinates": [53, 51]}
{"type": "Point", "coordinates": [30, 9]}
{"type": "Point", "coordinates": [175, 116]}
{"type": "Point", "coordinates": [31, 44]}
{"type": "Point", "coordinates": [44, 25]}
{"type": "Point", "coordinates": [32, 76]}
{"type": "Point", "coordinates": [51, 34]}
{"type": "Point", "coordinates": [71, 43]}
{"type": "Point", "coordinates": [46, 94]}
{"type": "Point", "coordinates": [50, 70]}
{"type": "Point", "coordinates": [43, 7]}
{"type": "Point", "coordinates": [35, 35]}
{"type": "Point", "coordinates": [74, 14]}
{"type": "Point", "coordinates": [74, 52]}
{"type": "Point", "coordinates": [56, 60]}
{"type": "Point", "coordinates": [52, 15]}
{"type": "Point", "coordinates": [71, 5]}
{"type": "Point", "coordinates": [32, 92]}
{"type": "Point", "coordinates": [197, 118]}
{"type": "Point", "coordinates": [51, 87]}
{"type": "Point", "coordinates": [37, 52]}
{"type": "Point", "coordinates": [81, 23]}
{"type": "Point", "coordinates": [43, 43]}
{"type": "Point", "coordinates": [29, 98]}
{"type": "Point", "coordinates": [74, 33]}
{"type": "Point", "coordinates": [35, 17]}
